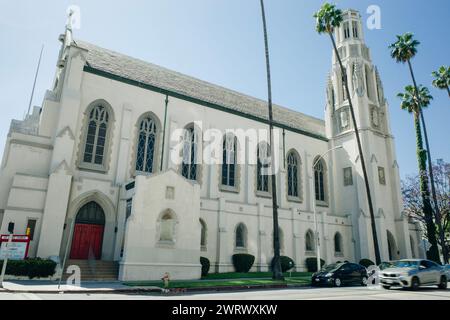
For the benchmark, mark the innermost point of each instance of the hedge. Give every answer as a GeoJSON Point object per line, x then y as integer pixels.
{"type": "Point", "coordinates": [286, 264]}
{"type": "Point", "coordinates": [205, 266]}
{"type": "Point", "coordinates": [243, 262]}
{"type": "Point", "coordinates": [311, 264]}
{"type": "Point", "coordinates": [31, 268]}
{"type": "Point", "coordinates": [366, 263]}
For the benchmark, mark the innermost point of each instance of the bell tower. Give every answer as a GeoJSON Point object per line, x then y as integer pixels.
{"type": "Point", "coordinates": [371, 113]}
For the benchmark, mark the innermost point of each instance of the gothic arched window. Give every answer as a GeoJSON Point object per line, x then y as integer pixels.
{"type": "Point", "coordinates": [188, 165]}
{"type": "Point", "coordinates": [241, 236]}
{"type": "Point", "coordinates": [145, 157]}
{"type": "Point", "coordinates": [96, 137]}
{"type": "Point", "coordinates": [319, 180]}
{"type": "Point", "coordinates": [229, 161]}
{"type": "Point", "coordinates": [263, 166]}
{"type": "Point", "coordinates": [203, 239]}
{"type": "Point", "coordinates": [293, 175]}
{"type": "Point", "coordinates": [309, 241]}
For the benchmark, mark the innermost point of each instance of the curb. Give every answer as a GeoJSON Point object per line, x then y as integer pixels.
{"type": "Point", "coordinates": [160, 290]}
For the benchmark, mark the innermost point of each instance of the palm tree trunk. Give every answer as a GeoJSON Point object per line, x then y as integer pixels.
{"type": "Point", "coordinates": [276, 265]}
{"type": "Point", "coordinates": [427, 209]}
{"type": "Point", "coordinates": [361, 156]}
{"type": "Point", "coordinates": [430, 166]}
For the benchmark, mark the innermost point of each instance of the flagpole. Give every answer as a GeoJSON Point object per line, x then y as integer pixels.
{"type": "Point", "coordinates": [35, 79]}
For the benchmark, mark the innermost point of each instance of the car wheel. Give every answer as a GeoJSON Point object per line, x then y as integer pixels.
{"type": "Point", "coordinates": [386, 287]}
{"type": "Point", "coordinates": [364, 281]}
{"type": "Point", "coordinates": [443, 284]}
{"type": "Point", "coordinates": [415, 283]}
{"type": "Point", "coordinates": [337, 282]}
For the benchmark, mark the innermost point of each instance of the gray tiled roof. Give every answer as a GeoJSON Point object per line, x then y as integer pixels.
{"type": "Point", "coordinates": [153, 75]}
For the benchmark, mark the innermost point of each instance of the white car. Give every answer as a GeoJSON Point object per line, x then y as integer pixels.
{"type": "Point", "coordinates": [413, 274]}
{"type": "Point", "coordinates": [447, 270]}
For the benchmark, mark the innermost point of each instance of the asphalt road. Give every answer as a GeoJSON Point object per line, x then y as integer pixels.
{"type": "Point", "coordinates": [348, 293]}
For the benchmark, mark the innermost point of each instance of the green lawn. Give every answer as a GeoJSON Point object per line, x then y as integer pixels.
{"type": "Point", "coordinates": [232, 279]}
{"type": "Point", "coordinates": [253, 275]}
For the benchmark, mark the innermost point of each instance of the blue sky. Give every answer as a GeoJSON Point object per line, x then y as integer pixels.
{"type": "Point", "coordinates": [220, 41]}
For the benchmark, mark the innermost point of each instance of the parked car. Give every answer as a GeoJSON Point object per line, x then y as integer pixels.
{"type": "Point", "coordinates": [385, 265]}
{"type": "Point", "coordinates": [339, 274]}
{"type": "Point", "coordinates": [413, 274]}
{"type": "Point", "coordinates": [447, 270]}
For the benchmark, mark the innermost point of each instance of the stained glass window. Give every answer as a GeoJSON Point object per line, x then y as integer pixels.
{"type": "Point", "coordinates": [94, 149]}
{"type": "Point", "coordinates": [293, 175]}
{"type": "Point", "coordinates": [262, 167]}
{"type": "Point", "coordinates": [189, 166]}
{"type": "Point", "coordinates": [241, 233]}
{"type": "Point", "coordinates": [229, 161]}
{"type": "Point", "coordinates": [319, 180]}
{"type": "Point", "coordinates": [146, 146]}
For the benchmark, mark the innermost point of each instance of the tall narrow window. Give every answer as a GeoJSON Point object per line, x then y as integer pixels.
{"type": "Point", "coordinates": [203, 235]}
{"type": "Point", "coordinates": [319, 180]}
{"type": "Point", "coordinates": [293, 175]}
{"type": "Point", "coordinates": [241, 236]}
{"type": "Point", "coordinates": [263, 168]}
{"type": "Point", "coordinates": [368, 83]}
{"type": "Point", "coordinates": [344, 79]}
{"type": "Point", "coordinates": [229, 161]}
{"type": "Point", "coordinates": [189, 166]}
{"type": "Point", "coordinates": [355, 29]}
{"type": "Point", "coordinates": [95, 144]}
{"type": "Point", "coordinates": [309, 241]}
{"type": "Point", "coordinates": [337, 243]}
{"type": "Point", "coordinates": [146, 146]}
{"type": "Point", "coordinates": [346, 30]}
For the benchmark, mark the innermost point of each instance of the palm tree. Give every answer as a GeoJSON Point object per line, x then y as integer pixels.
{"type": "Point", "coordinates": [442, 78]}
{"type": "Point", "coordinates": [410, 103]}
{"type": "Point", "coordinates": [403, 50]}
{"type": "Point", "coordinates": [276, 263]}
{"type": "Point", "coordinates": [329, 18]}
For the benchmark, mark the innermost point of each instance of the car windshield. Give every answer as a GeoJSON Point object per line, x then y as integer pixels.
{"type": "Point", "coordinates": [404, 264]}
{"type": "Point", "coordinates": [331, 267]}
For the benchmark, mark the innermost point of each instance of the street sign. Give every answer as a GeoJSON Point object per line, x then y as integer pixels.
{"type": "Point", "coordinates": [17, 249]}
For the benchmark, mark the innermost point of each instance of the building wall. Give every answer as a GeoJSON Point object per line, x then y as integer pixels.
{"type": "Point", "coordinates": [41, 178]}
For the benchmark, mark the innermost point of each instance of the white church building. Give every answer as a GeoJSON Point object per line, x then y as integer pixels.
{"type": "Point", "coordinates": [91, 172]}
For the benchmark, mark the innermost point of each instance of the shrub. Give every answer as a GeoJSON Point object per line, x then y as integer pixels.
{"type": "Point", "coordinates": [205, 266]}
{"type": "Point", "coordinates": [311, 264]}
{"type": "Point", "coordinates": [286, 264]}
{"type": "Point", "coordinates": [31, 268]}
{"type": "Point", "coordinates": [366, 263]}
{"type": "Point", "coordinates": [243, 262]}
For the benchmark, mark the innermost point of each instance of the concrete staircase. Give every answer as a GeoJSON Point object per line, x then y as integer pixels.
{"type": "Point", "coordinates": [95, 270]}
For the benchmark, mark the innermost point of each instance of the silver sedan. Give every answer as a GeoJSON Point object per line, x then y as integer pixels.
{"type": "Point", "coordinates": [413, 274]}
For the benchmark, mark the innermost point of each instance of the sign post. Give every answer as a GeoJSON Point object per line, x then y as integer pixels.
{"type": "Point", "coordinates": [5, 261]}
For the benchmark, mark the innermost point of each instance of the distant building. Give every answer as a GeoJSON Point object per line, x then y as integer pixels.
{"type": "Point", "coordinates": [93, 166]}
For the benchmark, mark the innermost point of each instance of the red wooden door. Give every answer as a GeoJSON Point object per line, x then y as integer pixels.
{"type": "Point", "coordinates": [87, 240]}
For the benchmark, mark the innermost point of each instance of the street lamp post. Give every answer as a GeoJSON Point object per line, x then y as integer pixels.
{"type": "Point", "coordinates": [316, 227]}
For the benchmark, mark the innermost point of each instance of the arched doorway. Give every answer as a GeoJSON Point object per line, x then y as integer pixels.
{"type": "Point", "coordinates": [392, 247]}
{"type": "Point", "coordinates": [88, 232]}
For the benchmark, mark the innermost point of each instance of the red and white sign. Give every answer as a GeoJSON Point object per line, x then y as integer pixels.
{"type": "Point", "coordinates": [17, 249]}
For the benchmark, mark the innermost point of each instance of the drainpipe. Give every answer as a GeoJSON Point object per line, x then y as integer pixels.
{"type": "Point", "coordinates": [164, 132]}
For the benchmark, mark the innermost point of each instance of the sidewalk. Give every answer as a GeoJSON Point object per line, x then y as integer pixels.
{"type": "Point", "coordinates": [30, 286]}
{"type": "Point", "coordinates": [51, 287]}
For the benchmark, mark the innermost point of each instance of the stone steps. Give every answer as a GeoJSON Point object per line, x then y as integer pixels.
{"type": "Point", "coordinates": [95, 270]}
